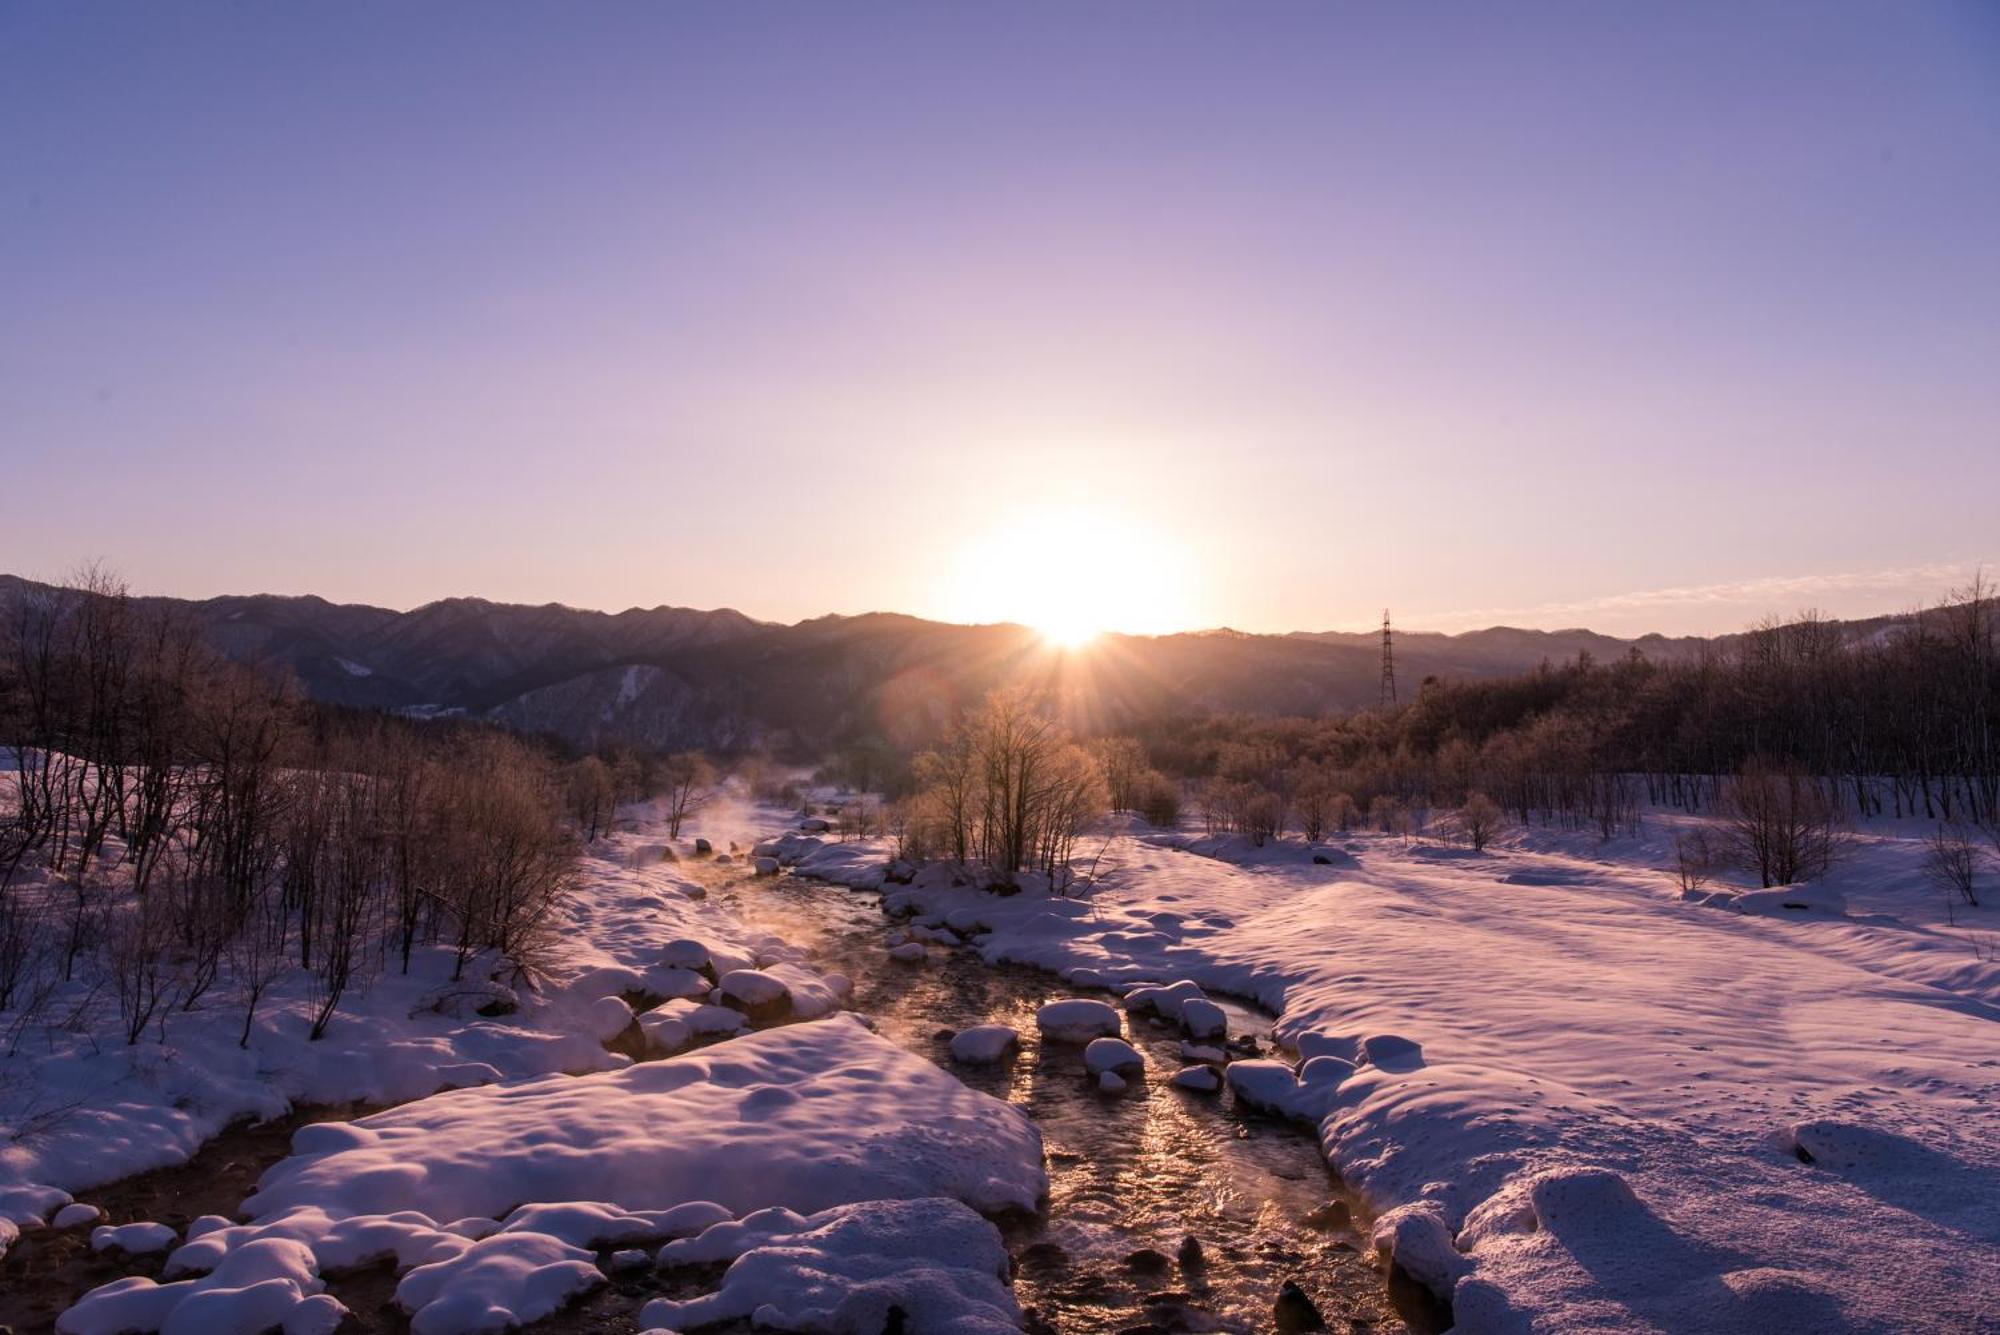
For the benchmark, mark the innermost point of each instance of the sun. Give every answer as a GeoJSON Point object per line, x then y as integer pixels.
{"type": "Point", "coordinates": [1072, 575]}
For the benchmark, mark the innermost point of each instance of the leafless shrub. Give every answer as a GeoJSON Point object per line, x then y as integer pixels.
{"type": "Point", "coordinates": [1951, 862]}
{"type": "Point", "coordinates": [1479, 820]}
{"type": "Point", "coordinates": [860, 819]}
{"type": "Point", "coordinates": [137, 940]}
{"type": "Point", "coordinates": [1160, 801]}
{"type": "Point", "coordinates": [1696, 857]}
{"type": "Point", "coordinates": [1782, 823]}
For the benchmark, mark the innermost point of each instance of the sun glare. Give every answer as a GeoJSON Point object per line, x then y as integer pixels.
{"type": "Point", "coordinates": [1072, 576]}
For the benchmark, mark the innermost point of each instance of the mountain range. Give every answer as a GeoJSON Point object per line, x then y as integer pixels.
{"type": "Point", "coordinates": [674, 677]}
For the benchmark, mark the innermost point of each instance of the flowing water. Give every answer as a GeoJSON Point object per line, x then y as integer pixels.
{"type": "Point", "coordinates": [1131, 1175]}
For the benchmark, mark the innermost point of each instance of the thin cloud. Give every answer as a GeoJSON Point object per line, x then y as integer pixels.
{"type": "Point", "coordinates": [1763, 594]}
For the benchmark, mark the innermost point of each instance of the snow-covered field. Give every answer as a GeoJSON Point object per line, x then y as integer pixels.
{"type": "Point", "coordinates": [1576, 1101]}
{"type": "Point", "coordinates": [1579, 1102]}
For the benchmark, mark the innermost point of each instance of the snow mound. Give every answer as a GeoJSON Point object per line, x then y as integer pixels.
{"type": "Point", "coordinates": [256, 1287]}
{"type": "Point", "coordinates": [1792, 901]}
{"type": "Point", "coordinates": [846, 1270]}
{"type": "Point", "coordinates": [496, 1283]}
{"type": "Point", "coordinates": [807, 1116]}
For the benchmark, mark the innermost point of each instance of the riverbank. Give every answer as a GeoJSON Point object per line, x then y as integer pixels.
{"type": "Point", "coordinates": [1581, 1102]}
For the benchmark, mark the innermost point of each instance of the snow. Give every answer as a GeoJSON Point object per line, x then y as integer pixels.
{"type": "Point", "coordinates": [843, 1270]}
{"type": "Point", "coordinates": [827, 1112]}
{"type": "Point", "coordinates": [496, 1283]}
{"type": "Point", "coordinates": [106, 1110]}
{"type": "Point", "coordinates": [1553, 1015]}
{"type": "Point", "coordinates": [253, 1289]}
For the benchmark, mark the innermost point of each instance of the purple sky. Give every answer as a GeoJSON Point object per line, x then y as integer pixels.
{"type": "Point", "coordinates": [1638, 317]}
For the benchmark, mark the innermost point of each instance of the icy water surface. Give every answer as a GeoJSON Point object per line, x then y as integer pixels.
{"type": "Point", "coordinates": [1131, 1175]}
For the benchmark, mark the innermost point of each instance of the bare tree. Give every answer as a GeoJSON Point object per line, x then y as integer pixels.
{"type": "Point", "coordinates": [593, 796]}
{"type": "Point", "coordinates": [136, 944]}
{"type": "Point", "coordinates": [1695, 858]}
{"type": "Point", "coordinates": [1951, 862]}
{"type": "Point", "coordinates": [686, 782]}
{"type": "Point", "coordinates": [1783, 824]}
{"type": "Point", "coordinates": [1479, 820]}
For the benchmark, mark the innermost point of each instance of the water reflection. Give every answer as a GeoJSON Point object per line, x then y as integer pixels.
{"type": "Point", "coordinates": [1132, 1176]}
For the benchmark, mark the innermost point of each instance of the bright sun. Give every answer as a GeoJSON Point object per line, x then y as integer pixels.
{"type": "Point", "coordinates": [1071, 575]}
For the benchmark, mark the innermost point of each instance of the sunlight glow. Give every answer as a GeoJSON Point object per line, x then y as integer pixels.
{"type": "Point", "coordinates": [1071, 574]}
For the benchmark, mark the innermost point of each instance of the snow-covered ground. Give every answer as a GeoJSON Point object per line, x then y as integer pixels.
{"type": "Point", "coordinates": [1579, 1102]}
{"type": "Point", "coordinates": [1576, 1101]}
{"type": "Point", "coordinates": [489, 1196]}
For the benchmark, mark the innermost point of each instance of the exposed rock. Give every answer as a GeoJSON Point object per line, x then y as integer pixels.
{"type": "Point", "coordinates": [1332, 1215]}
{"type": "Point", "coordinates": [1293, 1311]}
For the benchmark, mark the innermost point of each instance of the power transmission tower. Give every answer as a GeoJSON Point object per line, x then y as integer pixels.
{"type": "Point", "coordinates": [1388, 664]}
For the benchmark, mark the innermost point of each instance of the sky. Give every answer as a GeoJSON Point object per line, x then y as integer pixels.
{"type": "Point", "coordinates": [1164, 315]}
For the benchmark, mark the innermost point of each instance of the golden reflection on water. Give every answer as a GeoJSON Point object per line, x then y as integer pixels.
{"type": "Point", "coordinates": [1141, 1170]}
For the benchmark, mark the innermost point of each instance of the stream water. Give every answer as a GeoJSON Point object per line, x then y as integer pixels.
{"type": "Point", "coordinates": [1131, 1175]}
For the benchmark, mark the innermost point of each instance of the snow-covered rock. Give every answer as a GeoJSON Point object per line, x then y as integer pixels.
{"type": "Point", "coordinates": [609, 1017]}
{"type": "Point", "coordinates": [1202, 1018]}
{"type": "Point", "coordinates": [984, 1044]}
{"type": "Point", "coordinates": [844, 1269]}
{"type": "Point", "coordinates": [1266, 1084]}
{"type": "Point", "coordinates": [759, 995]}
{"type": "Point", "coordinates": [1201, 1079]}
{"type": "Point", "coordinates": [496, 1283]}
{"type": "Point", "coordinates": [256, 1287]}
{"type": "Point", "coordinates": [1164, 1001]}
{"type": "Point", "coordinates": [1112, 1054]}
{"type": "Point", "coordinates": [683, 953]}
{"type": "Point", "coordinates": [75, 1215]}
{"type": "Point", "coordinates": [673, 1025]}
{"type": "Point", "coordinates": [1076, 1020]}
{"type": "Point", "coordinates": [139, 1239]}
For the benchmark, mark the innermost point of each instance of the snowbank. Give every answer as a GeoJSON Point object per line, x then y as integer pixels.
{"type": "Point", "coordinates": [1579, 1102]}
{"type": "Point", "coordinates": [807, 1116]}
{"type": "Point", "coordinates": [846, 1269]}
